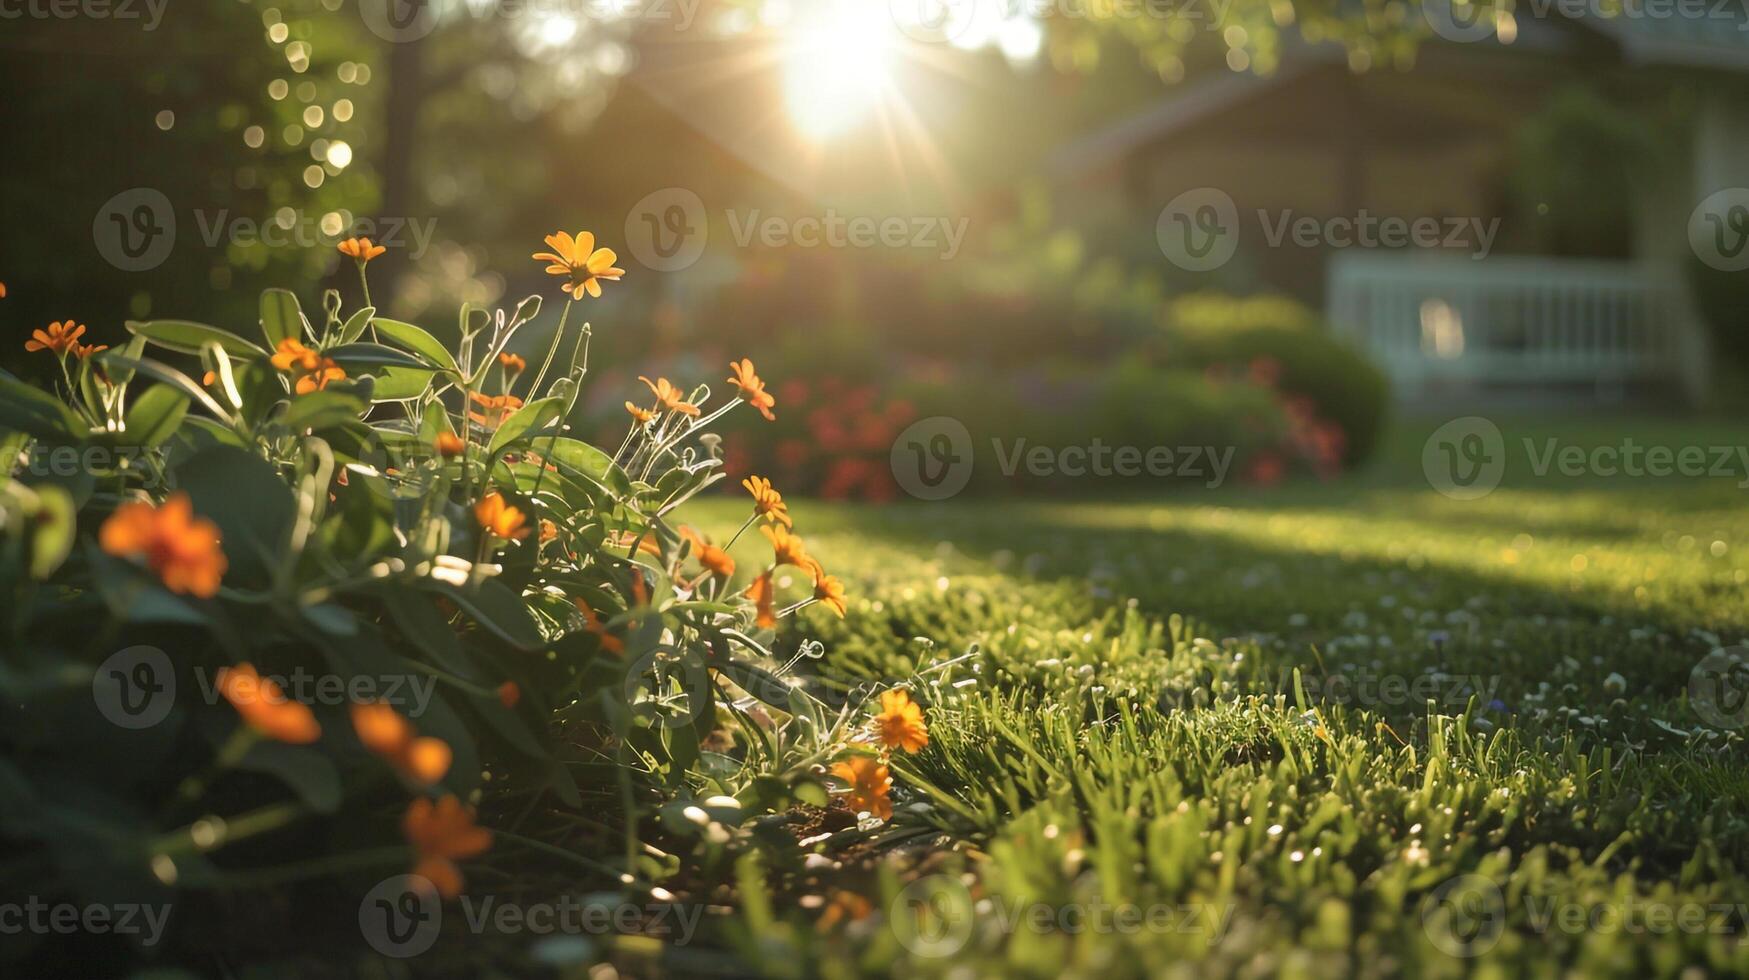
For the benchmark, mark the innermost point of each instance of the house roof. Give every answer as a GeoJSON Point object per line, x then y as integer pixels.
{"type": "Point", "coordinates": [1663, 36]}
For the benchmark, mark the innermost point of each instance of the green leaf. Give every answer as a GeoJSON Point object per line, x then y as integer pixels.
{"type": "Point", "coordinates": [355, 324]}
{"type": "Point", "coordinates": [26, 408]}
{"type": "Point", "coordinates": [418, 619]}
{"type": "Point", "coordinates": [155, 415]}
{"type": "Point", "coordinates": [417, 340]}
{"type": "Point", "coordinates": [171, 376]}
{"type": "Point", "coordinates": [281, 317]}
{"type": "Point", "coordinates": [310, 774]}
{"type": "Point", "coordinates": [247, 498]}
{"type": "Point", "coordinates": [535, 415]}
{"type": "Point", "coordinates": [52, 530]}
{"type": "Point", "coordinates": [187, 337]}
{"type": "Point", "coordinates": [321, 409]}
{"type": "Point", "coordinates": [398, 384]}
{"type": "Point", "coordinates": [581, 459]}
{"type": "Point", "coordinates": [355, 357]}
{"type": "Point", "coordinates": [494, 606]}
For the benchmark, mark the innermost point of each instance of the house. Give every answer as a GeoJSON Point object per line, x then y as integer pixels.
{"type": "Point", "coordinates": [1401, 201]}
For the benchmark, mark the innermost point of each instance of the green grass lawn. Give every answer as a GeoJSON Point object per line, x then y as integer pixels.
{"type": "Point", "coordinates": [1489, 761]}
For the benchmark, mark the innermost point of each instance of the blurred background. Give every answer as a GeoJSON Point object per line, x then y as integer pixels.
{"type": "Point", "coordinates": [1263, 224]}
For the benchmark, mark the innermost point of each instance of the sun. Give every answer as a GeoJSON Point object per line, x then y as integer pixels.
{"type": "Point", "coordinates": [838, 65]}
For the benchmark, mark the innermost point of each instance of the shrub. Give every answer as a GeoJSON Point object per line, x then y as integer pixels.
{"type": "Point", "coordinates": [349, 578]}
{"type": "Point", "coordinates": [1281, 340]}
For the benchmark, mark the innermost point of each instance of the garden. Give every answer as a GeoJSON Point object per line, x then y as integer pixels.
{"type": "Point", "coordinates": [580, 588]}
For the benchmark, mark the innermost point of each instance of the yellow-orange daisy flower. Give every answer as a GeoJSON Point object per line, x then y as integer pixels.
{"type": "Point", "coordinates": [440, 833]}
{"type": "Point", "coordinates": [670, 397]}
{"type": "Point", "coordinates": [767, 502]}
{"type": "Point", "coordinates": [183, 550]}
{"type": "Point", "coordinates": [828, 590]}
{"type": "Point", "coordinates": [900, 722]}
{"type": "Point", "coordinates": [709, 555]}
{"type": "Point", "coordinates": [60, 337]}
{"type": "Point", "coordinates": [265, 707]}
{"type": "Point", "coordinates": [579, 260]}
{"type": "Point", "coordinates": [763, 595]}
{"type": "Point", "coordinates": [360, 249]}
{"type": "Point", "coordinates": [869, 785]}
{"type": "Point", "coordinates": [786, 548]}
{"type": "Point", "coordinates": [499, 519]}
{"type": "Point", "coordinates": [752, 388]}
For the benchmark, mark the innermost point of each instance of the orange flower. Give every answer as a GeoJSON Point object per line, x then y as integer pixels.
{"type": "Point", "coordinates": [646, 543]}
{"type": "Point", "coordinates": [869, 785]}
{"type": "Point", "coordinates": [449, 444]}
{"type": "Point", "coordinates": [265, 707]}
{"type": "Point", "coordinates": [2, 290]}
{"type": "Point", "coordinates": [752, 389]}
{"type": "Point", "coordinates": [360, 249]}
{"type": "Point", "coordinates": [640, 415]}
{"type": "Point", "coordinates": [82, 351]}
{"type": "Point", "coordinates": [326, 371]}
{"type": "Point", "coordinates": [440, 833]}
{"type": "Point", "coordinates": [828, 590]}
{"type": "Point", "coordinates": [312, 371]}
{"type": "Point", "coordinates": [385, 732]}
{"type": "Point", "coordinates": [512, 363]}
{"type": "Point", "coordinates": [579, 259]}
{"type": "Point", "coordinates": [609, 642]}
{"type": "Point", "coordinates": [60, 337]}
{"type": "Point", "coordinates": [291, 355]}
{"type": "Point", "coordinates": [499, 519]}
{"type": "Point", "coordinates": [844, 907]}
{"type": "Point", "coordinates": [767, 502]}
{"type": "Point", "coordinates": [548, 530]}
{"type": "Point", "coordinates": [762, 594]}
{"type": "Point", "coordinates": [494, 408]}
{"type": "Point", "coordinates": [669, 397]}
{"type": "Point", "coordinates": [182, 549]}
{"type": "Point", "coordinates": [786, 548]}
{"type": "Point", "coordinates": [900, 722]}
{"type": "Point", "coordinates": [709, 555]}
{"type": "Point", "coordinates": [509, 695]}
